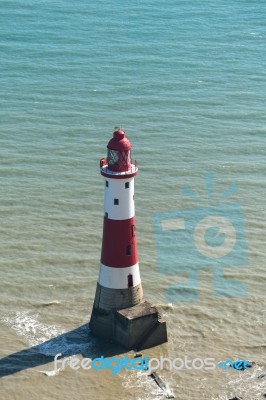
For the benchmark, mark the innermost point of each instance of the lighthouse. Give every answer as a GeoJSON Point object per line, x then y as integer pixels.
{"type": "Point", "coordinates": [120, 313]}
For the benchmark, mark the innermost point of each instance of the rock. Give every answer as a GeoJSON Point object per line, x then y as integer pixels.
{"type": "Point", "coordinates": [261, 376]}
{"type": "Point", "coordinates": [162, 385]}
{"type": "Point", "coordinates": [236, 398]}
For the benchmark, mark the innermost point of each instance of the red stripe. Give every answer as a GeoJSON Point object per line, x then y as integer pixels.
{"type": "Point", "coordinates": [118, 239]}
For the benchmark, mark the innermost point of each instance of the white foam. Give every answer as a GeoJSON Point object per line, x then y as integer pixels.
{"type": "Point", "coordinates": [51, 373]}
{"type": "Point", "coordinates": [141, 380]}
{"type": "Point", "coordinates": [246, 384]}
{"type": "Point", "coordinates": [30, 328]}
{"type": "Point", "coordinates": [35, 333]}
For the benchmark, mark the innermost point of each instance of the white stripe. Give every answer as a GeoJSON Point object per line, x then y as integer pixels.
{"type": "Point", "coordinates": [117, 278]}
{"type": "Point", "coordinates": [125, 209]}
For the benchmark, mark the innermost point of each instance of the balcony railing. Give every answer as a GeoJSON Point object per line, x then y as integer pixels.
{"type": "Point", "coordinates": [104, 168]}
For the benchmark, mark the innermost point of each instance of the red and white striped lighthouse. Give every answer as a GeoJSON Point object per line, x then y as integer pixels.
{"type": "Point", "coordinates": [119, 284]}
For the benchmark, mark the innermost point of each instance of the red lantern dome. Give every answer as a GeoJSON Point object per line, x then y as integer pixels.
{"type": "Point", "coordinates": [118, 153]}
{"type": "Point", "coordinates": [119, 141]}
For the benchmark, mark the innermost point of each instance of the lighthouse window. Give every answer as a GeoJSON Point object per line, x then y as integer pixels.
{"type": "Point", "coordinates": [116, 202]}
{"type": "Point", "coordinates": [106, 183]}
{"type": "Point", "coordinates": [130, 280]}
{"type": "Point", "coordinates": [127, 185]}
{"type": "Point", "coordinates": [112, 157]}
{"type": "Point", "coordinates": [128, 250]}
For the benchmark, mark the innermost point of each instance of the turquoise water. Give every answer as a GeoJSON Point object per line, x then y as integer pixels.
{"type": "Point", "coordinates": [187, 82]}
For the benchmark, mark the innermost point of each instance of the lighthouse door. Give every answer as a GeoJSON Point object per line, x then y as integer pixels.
{"type": "Point", "coordinates": [130, 280]}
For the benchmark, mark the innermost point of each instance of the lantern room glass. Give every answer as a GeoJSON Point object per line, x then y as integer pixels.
{"type": "Point", "coordinates": [119, 160]}
{"type": "Point", "coordinates": [112, 157]}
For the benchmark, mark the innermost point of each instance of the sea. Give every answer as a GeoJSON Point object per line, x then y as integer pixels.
{"type": "Point", "coordinates": [186, 81]}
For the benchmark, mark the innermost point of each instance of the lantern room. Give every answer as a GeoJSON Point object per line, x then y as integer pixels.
{"type": "Point", "coordinates": [118, 152]}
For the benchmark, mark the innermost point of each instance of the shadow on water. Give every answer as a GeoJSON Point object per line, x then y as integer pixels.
{"type": "Point", "coordinates": [77, 341]}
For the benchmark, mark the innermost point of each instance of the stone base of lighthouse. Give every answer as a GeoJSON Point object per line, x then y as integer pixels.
{"type": "Point", "coordinates": [122, 316]}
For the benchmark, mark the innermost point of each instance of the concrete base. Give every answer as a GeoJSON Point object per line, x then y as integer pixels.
{"type": "Point", "coordinates": [136, 328]}
{"type": "Point", "coordinates": [107, 299]}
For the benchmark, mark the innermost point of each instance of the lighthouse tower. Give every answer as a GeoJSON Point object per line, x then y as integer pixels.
{"type": "Point", "coordinates": [119, 311]}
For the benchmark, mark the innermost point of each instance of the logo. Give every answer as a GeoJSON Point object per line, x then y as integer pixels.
{"type": "Point", "coordinates": [207, 237]}
{"type": "Point", "coordinates": [113, 363]}
{"type": "Point", "coordinates": [240, 365]}
{"type": "Point", "coordinates": [116, 365]}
